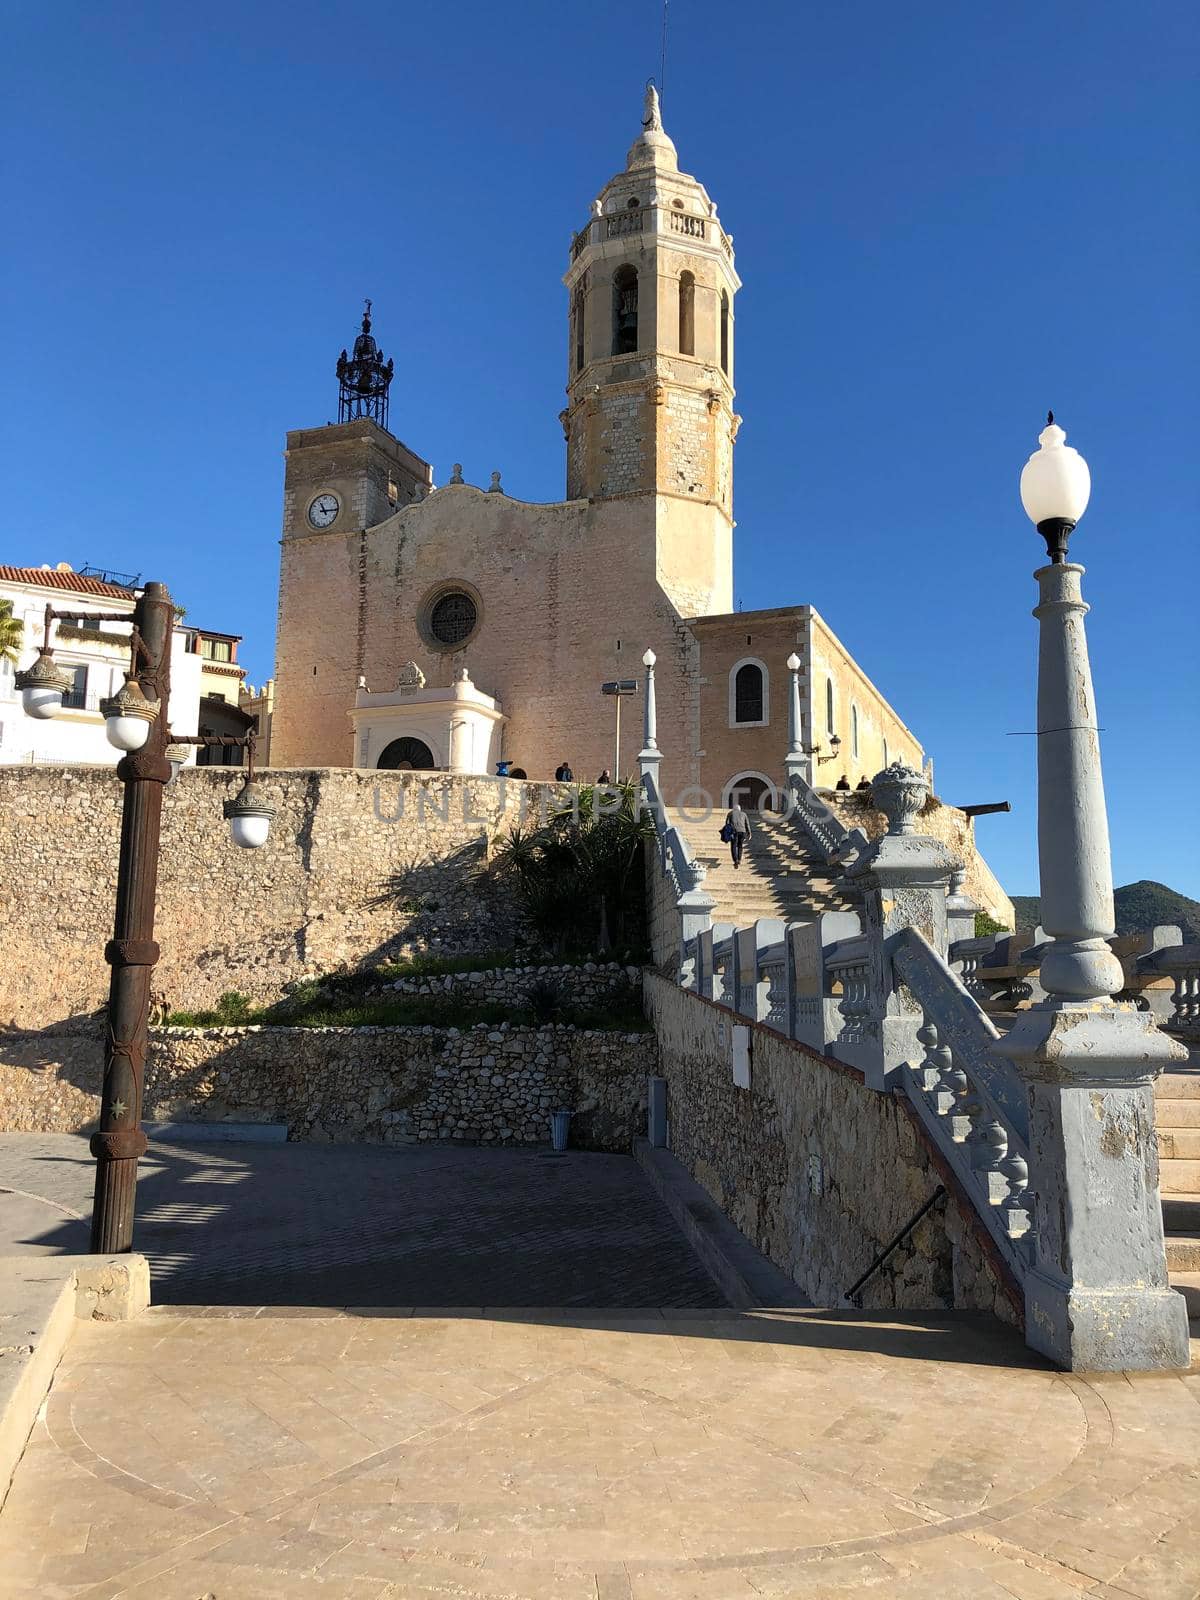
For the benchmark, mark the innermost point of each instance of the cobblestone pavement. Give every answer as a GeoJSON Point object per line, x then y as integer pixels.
{"type": "Point", "coordinates": [670, 1456]}
{"type": "Point", "coordinates": [366, 1225]}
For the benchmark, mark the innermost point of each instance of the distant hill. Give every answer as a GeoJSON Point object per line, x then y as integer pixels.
{"type": "Point", "coordinates": [1138, 905]}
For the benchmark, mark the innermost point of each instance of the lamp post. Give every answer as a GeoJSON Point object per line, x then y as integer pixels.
{"type": "Point", "coordinates": [1096, 1291]}
{"type": "Point", "coordinates": [796, 763]}
{"type": "Point", "coordinates": [650, 722]}
{"type": "Point", "coordinates": [618, 688]}
{"type": "Point", "coordinates": [136, 722]}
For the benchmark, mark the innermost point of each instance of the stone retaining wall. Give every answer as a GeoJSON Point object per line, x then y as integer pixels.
{"type": "Point", "coordinates": [378, 1085]}
{"type": "Point", "coordinates": [586, 985]}
{"type": "Point", "coordinates": [360, 866]}
{"type": "Point", "coordinates": [817, 1170]}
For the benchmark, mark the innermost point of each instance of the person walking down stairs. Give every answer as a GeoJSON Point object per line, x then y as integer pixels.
{"type": "Point", "coordinates": [736, 831]}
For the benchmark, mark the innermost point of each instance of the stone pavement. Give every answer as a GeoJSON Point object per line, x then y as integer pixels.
{"type": "Point", "coordinates": [593, 1456]}
{"type": "Point", "coordinates": [367, 1225]}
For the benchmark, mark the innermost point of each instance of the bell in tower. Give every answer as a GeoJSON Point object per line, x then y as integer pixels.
{"type": "Point", "coordinates": [364, 379]}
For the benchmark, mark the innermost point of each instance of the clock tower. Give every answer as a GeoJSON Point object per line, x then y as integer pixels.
{"type": "Point", "coordinates": [339, 481]}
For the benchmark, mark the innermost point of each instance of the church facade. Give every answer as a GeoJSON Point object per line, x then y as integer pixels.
{"type": "Point", "coordinates": [455, 628]}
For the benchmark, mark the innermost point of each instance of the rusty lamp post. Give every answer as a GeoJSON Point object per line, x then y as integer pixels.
{"type": "Point", "coordinates": [136, 721]}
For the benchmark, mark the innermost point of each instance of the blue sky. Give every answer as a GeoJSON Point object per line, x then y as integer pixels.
{"type": "Point", "coordinates": [948, 217]}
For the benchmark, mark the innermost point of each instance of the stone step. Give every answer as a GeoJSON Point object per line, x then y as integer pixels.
{"type": "Point", "coordinates": [1183, 1252]}
{"type": "Point", "coordinates": [1176, 1114]}
{"type": "Point", "coordinates": [1181, 1213]}
{"type": "Point", "coordinates": [1188, 1285]}
{"type": "Point", "coordinates": [1178, 1144]}
{"type": "Point", "coordinates": [1179, 1177]}
{"type": "Point", "coordinates": [1183, 1085]}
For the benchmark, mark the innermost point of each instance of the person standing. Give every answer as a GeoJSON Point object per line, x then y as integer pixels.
{"type": "Point", "coordinates": [564, 773]}
{"type": "Point", "coordinates": [736, 830]}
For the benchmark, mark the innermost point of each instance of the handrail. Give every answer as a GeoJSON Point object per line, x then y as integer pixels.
{"type": "Point", "coordinates": [833, 841]}
{"type": "Point", "coordinates": [969, 1031]}
{"type": "Point", "coordinates": [853, 1294]}
{"type": "Point", "coordinates": [674, 851]}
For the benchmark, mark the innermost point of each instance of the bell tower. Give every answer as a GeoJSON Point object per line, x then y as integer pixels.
{"type": "Point", "coordinates": [651, 289]}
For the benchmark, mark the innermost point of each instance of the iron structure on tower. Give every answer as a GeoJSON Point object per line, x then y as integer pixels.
{"type": "Point", "coordinates": [364, 379]}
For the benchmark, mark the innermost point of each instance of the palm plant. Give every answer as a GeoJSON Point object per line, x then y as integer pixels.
{"type": "Point", "coordinates": [12, 631]}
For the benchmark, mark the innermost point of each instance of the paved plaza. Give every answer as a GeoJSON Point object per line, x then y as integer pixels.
{"type": "Point", "coordinates": [326, 1401]}
{"type": "Point", "coordinates": [367, 1225]}
{"type": "Point", "coordinates": [590, 1456]}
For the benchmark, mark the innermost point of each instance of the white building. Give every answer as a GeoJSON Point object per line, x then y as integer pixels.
{"type": "Point", "coordinates": [94, 654]}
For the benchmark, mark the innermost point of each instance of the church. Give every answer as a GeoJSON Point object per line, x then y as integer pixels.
{"type": "Point", "coordinates": [457, 629]}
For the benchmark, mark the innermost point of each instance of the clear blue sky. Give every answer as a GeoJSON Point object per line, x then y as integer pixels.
{"type": "Point", "coordinates": [948, 217]}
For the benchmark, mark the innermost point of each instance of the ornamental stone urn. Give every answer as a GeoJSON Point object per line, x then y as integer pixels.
{"type": "Point", "coordinates": [899, 792]}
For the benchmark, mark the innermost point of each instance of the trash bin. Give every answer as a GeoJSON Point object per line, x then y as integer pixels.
{"type": "Point", "coordinates": [560, 1126]}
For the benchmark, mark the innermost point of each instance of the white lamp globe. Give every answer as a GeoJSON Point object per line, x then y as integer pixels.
{"type": "Point", "coordinates": [793, 662]}
{"type": "Point", "coordinates": [249, 831]}
{"type": "Point", "coordinates": [125, 732]}
{"type": "Point", "coordinates": [40, 701]}
{"type": "Point", "coordinates": [129, 716]}
{"type": "Point", "coordinates": [649, 658]}
{"type": "Point", "coordinates": [1055, 481]}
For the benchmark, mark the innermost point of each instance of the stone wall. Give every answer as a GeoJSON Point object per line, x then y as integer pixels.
{"type": "Point", "coordinates": [591, 984]}
{"type": "Point", "coordinates": [376, 1085]}
{"type": "Point", "coordinates": [360, 866]}
{"type": "Point", "coordinates": [817, 1170]}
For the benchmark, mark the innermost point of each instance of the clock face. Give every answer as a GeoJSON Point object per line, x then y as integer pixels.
{"type": "Point", "coordinates": [323, 510]}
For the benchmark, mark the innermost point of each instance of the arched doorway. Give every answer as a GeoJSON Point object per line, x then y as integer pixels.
{"type": "Point", "coordinates": [755, 792]}
{"type": "Point", "coordinates": [407, 755]}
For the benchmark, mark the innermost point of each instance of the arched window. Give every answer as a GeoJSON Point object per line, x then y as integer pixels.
{"type": "Point", "coordinates": [625, 311]}
{"type": "Point", "coordinates": [724, 333]}
{"type": "Point", "coordinates": [579, 328]}
{"type": "Point", "coordinates": [854, 730]}
{"type": "Point", "coordinates": [885, 754]}
{"type": "Point", "coordinates": [687, 314]}
{"type": "Point", "coordinates": [830, 726]}
{"type": "Point", "coordinates": [748, 694]}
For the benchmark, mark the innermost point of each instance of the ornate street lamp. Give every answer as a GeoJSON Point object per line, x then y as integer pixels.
{"type": "Point", "coordinates": [249, 815]}
{"type": "Point", "coordinates": [136, 722]}
{"type": "Point", "coordinates": [1096, 1290]}
{"type": "Point", "coordinates": [795, 763]}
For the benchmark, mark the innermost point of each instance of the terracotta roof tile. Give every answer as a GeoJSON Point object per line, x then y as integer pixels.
{"type": "Point", "coordinates": [48, 578]}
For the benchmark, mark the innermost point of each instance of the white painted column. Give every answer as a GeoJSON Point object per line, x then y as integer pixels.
{"type": "Point", "coordinates": [1076, 871]}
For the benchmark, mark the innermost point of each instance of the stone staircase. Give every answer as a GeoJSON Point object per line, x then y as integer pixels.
{"type": "Point", "coordinates": [1177, 1119]}
{"type": "Point", "coordinates": [780, 876]}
